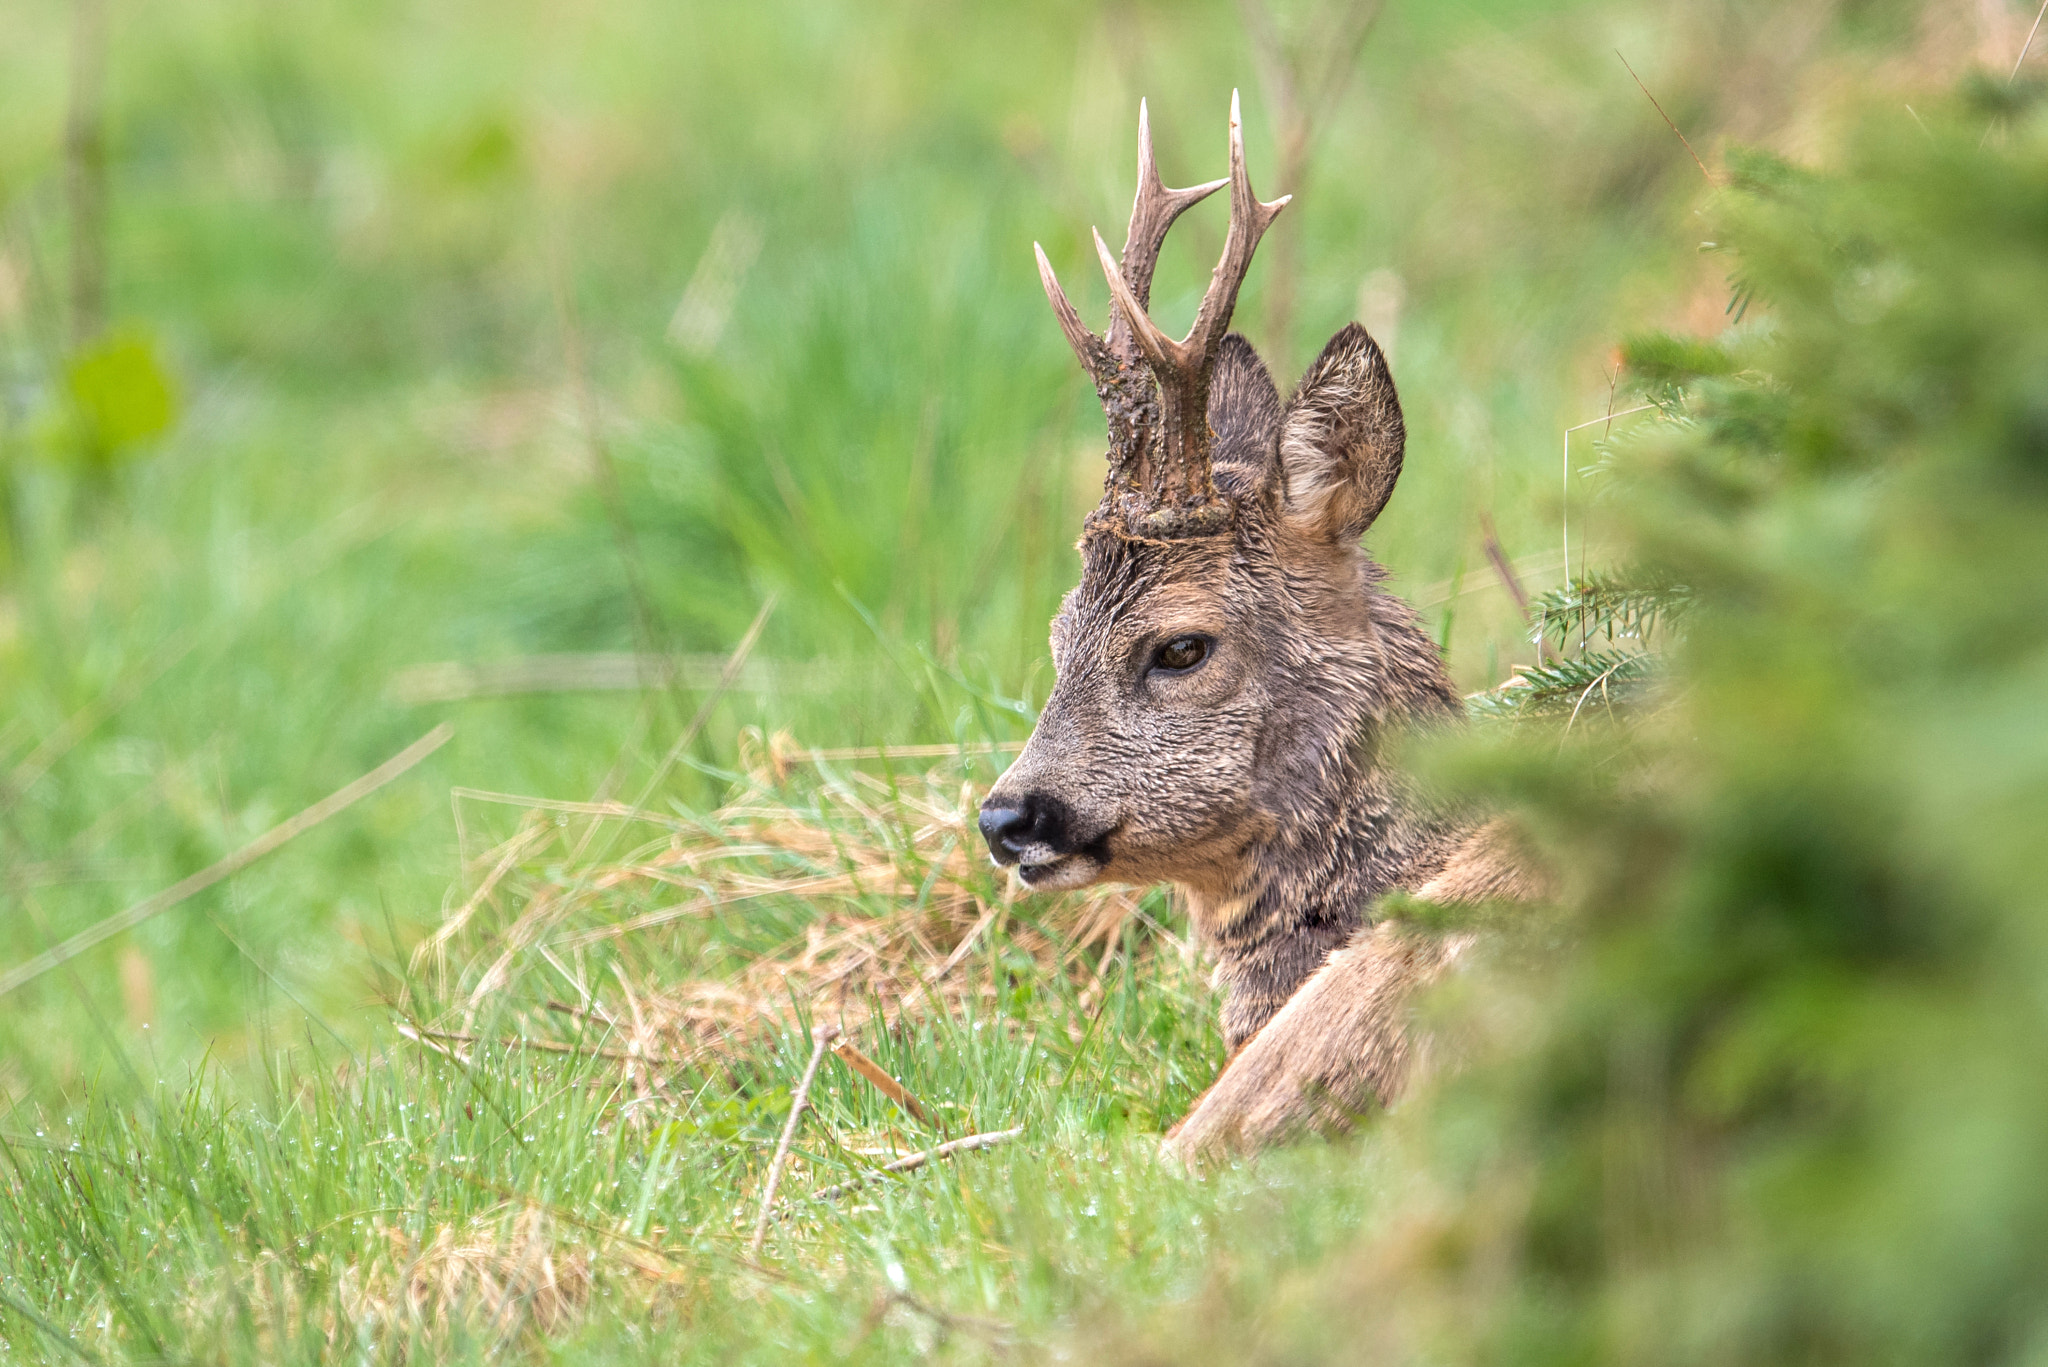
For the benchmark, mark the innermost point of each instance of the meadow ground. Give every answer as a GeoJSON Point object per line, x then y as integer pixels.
{"type": "Point", "coordinates": [507, 368]}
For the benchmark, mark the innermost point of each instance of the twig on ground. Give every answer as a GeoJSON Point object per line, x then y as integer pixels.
{"type": "Point", "coordinates": [820, 1037]}
{"type": "Point", "coordinates": [233, 864]}
{"type": "Point", "coordinates": [912, 1162]}
{"type": "Point", "coordinates": [885, 1084]}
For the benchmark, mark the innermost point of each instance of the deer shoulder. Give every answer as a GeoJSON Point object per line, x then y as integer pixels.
{"type": "Point", "coordinates": [1346, 1043]}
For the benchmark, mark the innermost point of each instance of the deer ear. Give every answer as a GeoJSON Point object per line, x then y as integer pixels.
{"type": "Point", "coordinates": [1341, 439]}
{"type": "Point", "coordinates": [1244, 412]}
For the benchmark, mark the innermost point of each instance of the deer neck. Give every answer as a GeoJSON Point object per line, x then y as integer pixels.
{"type": "Point", "coordinates": [1302, 892]}
{"type": "Point", "coordinates": [1305, 883]}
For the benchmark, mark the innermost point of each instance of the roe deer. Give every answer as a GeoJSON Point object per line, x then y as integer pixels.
{"type": "Point", "coordinates": [1228, 671]}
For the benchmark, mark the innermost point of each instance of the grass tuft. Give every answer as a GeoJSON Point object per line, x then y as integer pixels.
{"type": "Point", "coordinates": [821, 891]}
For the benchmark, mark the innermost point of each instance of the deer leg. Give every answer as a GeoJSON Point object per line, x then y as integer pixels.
{"type": "Point", "coordinates": [1340, 1047]}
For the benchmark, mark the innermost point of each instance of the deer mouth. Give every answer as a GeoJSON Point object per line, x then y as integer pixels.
{"type": "Point", "coordinates": [1047, 868]}
{"type": "Point", "coordinates": [1060, 871]}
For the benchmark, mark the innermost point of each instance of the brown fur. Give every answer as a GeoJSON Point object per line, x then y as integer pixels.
{"type": "Point", "coordinates": [1339, 1046]}
{"type": "Point", "coordinates": [1344, 1044]}
{"type": "Point", "coordinates": [1255, 780]}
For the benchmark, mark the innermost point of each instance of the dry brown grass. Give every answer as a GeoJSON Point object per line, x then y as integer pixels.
{"type": "Point", "coordinates": [511, 1277]}
{"type": "Point", "coordinates": [823, 891]}
{"type": "Point", "coordinates": [497, 1279]}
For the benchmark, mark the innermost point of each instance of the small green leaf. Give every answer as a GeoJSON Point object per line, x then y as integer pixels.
{"type": "Point", "coordinates": [120, 393]}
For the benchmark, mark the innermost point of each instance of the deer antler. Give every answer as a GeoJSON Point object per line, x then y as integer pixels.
{"type": "Point", "coordinates": [1171, 491]}
{"type": "Point", "coordinates": [1152, 213]}
{"type": "Point", "coordinates": [1182, 368]}
{"type": "Point", "coordinates": [1129, 398]}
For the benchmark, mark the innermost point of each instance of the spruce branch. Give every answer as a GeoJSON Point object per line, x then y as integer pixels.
{"type": "Point", "coordinates": [1615, 605]}
{"type": "Point", "coordinates": [1563, 688]}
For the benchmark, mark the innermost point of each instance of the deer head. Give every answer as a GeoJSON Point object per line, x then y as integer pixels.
{"type": "Point", "coordinates": [1225, 665]}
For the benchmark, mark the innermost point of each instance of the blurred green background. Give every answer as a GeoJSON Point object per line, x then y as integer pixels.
{"type": "Point", "coordinates": [399, 335]}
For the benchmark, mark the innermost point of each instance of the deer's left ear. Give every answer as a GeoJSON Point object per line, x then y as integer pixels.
{"type": "Point", "coordinates": [1341, 440]}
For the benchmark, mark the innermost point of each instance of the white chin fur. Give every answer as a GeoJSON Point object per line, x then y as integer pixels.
{"type": "Point", "coordinates": [1071, 871]}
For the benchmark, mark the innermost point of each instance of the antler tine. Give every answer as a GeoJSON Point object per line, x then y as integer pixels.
{"type": "Point", "coordinates": [1160, 482]}
{"type": "Point", "coordinates": [1094, 356]}
{"type": "Point", "coordinates": [1161, 350]}
{"type": "Point", "coordinates": [1249, 220]}
{"type": "Point", "coordinates": [1153, 211]}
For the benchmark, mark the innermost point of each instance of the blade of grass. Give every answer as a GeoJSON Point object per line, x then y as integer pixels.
{"type": "Point", "coordinates": [337, 801]}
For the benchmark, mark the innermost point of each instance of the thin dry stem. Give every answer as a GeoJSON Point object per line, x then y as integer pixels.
{"type": "Point", "coordinates": [1667, 119]}
{"type": "Point", "coordinates": [278, 835]}
{"type": "Point", "coordinates": [821, 1036]}
{"type": "Point", "coordinates": [2027, 46]}
{"type": "Point", "coordinates": [1496, 557]}
{"type": "Point", "coordinates": [914, 1161]}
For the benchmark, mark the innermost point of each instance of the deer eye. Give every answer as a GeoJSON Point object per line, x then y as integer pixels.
{"type": "Point", "coordinates": [1180, 654]}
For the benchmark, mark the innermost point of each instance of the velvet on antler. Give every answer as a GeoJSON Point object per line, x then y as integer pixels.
{"type": "Point", "coordinates": [1160, 484]}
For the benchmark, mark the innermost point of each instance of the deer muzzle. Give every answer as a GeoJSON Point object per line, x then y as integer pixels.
{"type": "Point", "coordinates": [1040, 836]}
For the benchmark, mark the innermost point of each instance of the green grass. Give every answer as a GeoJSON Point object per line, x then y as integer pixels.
{"type": "Point", "coordinates": [283, 1197]}
{"type": "Point", "coordinates": [410, 272]}
{"type": "Point", "coordinates": [406, 1206]}
{"type": "Point", "coordinates": [502, 1180]}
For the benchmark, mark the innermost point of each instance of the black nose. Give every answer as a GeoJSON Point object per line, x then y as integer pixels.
{"type": "Point", "coordinates": [1015, 824]}
{"type": "Point", "coordinates": [1008, 829]}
